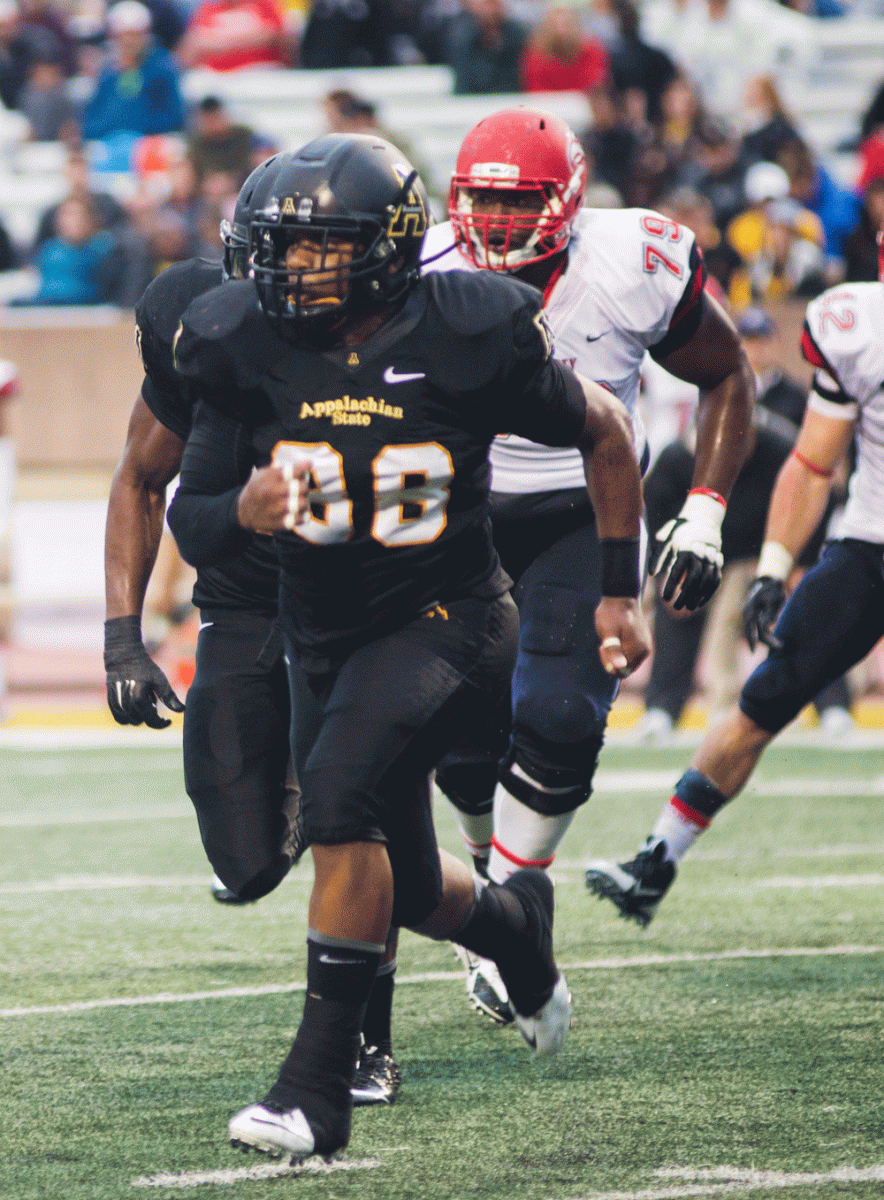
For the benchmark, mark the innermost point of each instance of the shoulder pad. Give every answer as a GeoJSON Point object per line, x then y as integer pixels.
{"type": "Point", "coordinates": [165, 298]}
{"type": "Point", "coordinates": [224, 312]}
{"type": "Point", "coordinates": [472, 303]}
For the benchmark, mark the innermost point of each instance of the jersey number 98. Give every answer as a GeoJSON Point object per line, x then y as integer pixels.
{"type": "Point", "coordinates": [411, 491]}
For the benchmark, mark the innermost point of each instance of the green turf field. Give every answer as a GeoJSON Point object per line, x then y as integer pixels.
{"type": "Point", "coordinates": [733, 1048]}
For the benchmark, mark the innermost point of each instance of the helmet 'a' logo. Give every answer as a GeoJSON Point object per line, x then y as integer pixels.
{"type": "Point", "coordinates": [303, 211]}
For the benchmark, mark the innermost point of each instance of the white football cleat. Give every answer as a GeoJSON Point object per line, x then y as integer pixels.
{"type": "Point", "coordinates": [272, 1132]}
{"type": "Point", "coordinates": [546, 1030]}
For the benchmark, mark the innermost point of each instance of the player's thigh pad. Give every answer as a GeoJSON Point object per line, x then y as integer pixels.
{"type": "Point", "coordinates": [561, 694]}
{"type": "Point", "coordinates": [831, 621]}
{"type": "Point", "coordinates": [394, 708]}
{"type": "Point", "coordinates": [236, 750]}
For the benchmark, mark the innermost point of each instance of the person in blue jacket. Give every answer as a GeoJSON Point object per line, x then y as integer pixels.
{"type": "Point", "coordinates": [137, 90]}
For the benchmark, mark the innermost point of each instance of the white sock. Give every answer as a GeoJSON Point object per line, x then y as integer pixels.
{"type": "Point", "coordinates": [522, 837]}
{"type": "Point", "coordinates": [677, 832]}
{"type": "Point", "coordinates": [476, 832]}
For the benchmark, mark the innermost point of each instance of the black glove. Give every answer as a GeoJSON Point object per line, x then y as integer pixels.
{"type": "Point", "coordinates": [766, 597]}
{"type": "Point", "coordinates": [134, 681]}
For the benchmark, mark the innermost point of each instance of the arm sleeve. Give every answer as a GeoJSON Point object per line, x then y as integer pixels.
{"type": "Point", "coordinates": [216, 463]}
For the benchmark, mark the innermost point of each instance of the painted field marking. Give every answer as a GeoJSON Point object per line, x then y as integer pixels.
{"type": "Point", "coordinates": [25, 820]}
{"type": "Point", "coordinates": [599, 964]}
{"type": "Point", "coordinates": [234, 1175]}
{"type": "Point", "coordinates": [720, 1181]}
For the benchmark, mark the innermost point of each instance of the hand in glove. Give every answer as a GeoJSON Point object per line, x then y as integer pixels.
{"type": "Point", "coordinates": [766, 598]}
{"type": "Point", "coordinates": [686, 552]}
{"type": "Point", "coordinates": [134, 681]}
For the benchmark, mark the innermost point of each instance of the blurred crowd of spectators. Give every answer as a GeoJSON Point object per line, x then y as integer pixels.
{"type": "Point", "coordinates": [687, 119]}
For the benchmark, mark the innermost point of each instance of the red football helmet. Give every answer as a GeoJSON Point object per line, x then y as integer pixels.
{"type": "Point", "coordinates": [536, 161]}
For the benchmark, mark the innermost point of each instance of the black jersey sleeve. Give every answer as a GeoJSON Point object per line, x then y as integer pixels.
{"type": "Point", "coordinates": [206, 343]}
{"type": "Point", "coordinates": [157, 315]}
{"type": "Point", "coordinates": [538, 398]}
{"type": "Point", "coordinates": [216, 463]}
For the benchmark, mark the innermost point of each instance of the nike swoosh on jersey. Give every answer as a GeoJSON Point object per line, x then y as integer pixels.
{"type": "Point", "coordinates": [597, 336]}
{"type": "Point", "coordinates": [206, 624]}
{"type": "Point", "coordinates": [391, 375]}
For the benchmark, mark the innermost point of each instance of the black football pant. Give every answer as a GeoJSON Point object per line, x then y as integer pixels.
{"type": "Point", "coordinates": [561, 695]}
{"type": "Point", "coordinates": [236, 751]}
{"type": "Point", "coordinates": [831, 621]}
{"type": "Point", "coordinates": [368, 734]}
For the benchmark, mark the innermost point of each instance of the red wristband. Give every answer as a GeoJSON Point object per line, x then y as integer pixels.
{"type": "Point", "coordinates": [701, 491]}
{"type": "Point", "coordinates": [812, 467]}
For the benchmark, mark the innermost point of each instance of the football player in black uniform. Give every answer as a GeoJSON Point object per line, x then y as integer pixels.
{"type": "Point", "coordinates": [367, 399]}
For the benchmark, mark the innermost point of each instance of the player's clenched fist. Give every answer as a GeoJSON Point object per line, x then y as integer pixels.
{"type": "Point", "coordinates": [624, 639]}
{"type": "Point", "coordinates": [275, 498]}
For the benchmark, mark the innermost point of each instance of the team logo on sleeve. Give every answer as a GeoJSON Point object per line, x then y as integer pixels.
{"type": "Point", "coordinates": [545, 332]}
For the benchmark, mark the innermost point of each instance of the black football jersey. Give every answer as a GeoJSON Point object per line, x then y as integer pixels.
{"type": "Point", "coordinates": [251, 579]}
{"type": "Point", "coordinates": [397, 432]}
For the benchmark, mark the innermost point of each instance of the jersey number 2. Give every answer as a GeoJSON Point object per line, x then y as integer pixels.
{"type": "Point", "coordinates": [411, 491]}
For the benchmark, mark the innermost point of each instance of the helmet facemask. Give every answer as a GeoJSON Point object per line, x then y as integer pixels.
{"type": "Point", "coordinates": [345, 262]}
{"type": "Point", "coordinates": [509, 241]}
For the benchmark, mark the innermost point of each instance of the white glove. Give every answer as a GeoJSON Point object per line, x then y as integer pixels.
{"type": "Point", "coordinates": [686, 553]}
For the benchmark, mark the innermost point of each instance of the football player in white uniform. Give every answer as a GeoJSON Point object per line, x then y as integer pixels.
{"type": "Point", "coordinates": [616, 284]}
{"type": "Point", "coordinates": [817, 636]}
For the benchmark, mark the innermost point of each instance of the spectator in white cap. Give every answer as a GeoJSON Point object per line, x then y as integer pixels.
{"type": "Point", "coordinates": [780, 242]}
{"type": "Point", "coordinates": [137, 90]}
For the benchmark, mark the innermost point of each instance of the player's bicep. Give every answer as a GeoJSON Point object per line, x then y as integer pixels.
{"type": "Point", "coordinates": [824, 438]}
{"type": "Point", "coordinates": [153, 452]}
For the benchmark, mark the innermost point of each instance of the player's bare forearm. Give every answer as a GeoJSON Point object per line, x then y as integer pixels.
{"type": "Point", "coordinates": [801, 491]}
{"type": "Point", "coordinates": [724, 423]}
{"type": "Point", "coordinates": [715, 362]}
{"type": "Point", "coordinates": [612, 472]}
{"type": "Point", "coordinates": [797, 504]}
{"type": "Point", "coordinates": [136, 507]}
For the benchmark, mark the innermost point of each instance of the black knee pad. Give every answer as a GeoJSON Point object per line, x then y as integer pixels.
{"type": "Point", "coordinates": [561, 718]}
{"type": "Point", "coordinates": [571, 767]}
{"type": "Point", "coordinates": [469, 786]}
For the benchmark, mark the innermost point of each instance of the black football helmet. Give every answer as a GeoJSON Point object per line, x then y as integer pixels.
{"type": "Point", "coordinates": [235, 233]}
{"type": "Point", "coordinates": [343, 188]}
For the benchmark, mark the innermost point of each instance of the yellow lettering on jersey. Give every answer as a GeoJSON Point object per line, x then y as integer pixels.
{"type": "Point", "coordinates": [345, 410]}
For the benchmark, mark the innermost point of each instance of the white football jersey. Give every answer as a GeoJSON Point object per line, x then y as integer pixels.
{"type": "Point", "coordinates": [843, 340]}
{"type": "Point", "coordinates": [632, 276]}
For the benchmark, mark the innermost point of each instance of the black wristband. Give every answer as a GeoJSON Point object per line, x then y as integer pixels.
{"type": "Point", "coordinates": [122, 635]}
{"type": "Point", "coordinates": [620, 576]}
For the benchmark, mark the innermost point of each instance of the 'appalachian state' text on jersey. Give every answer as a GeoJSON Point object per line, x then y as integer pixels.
{"type": "Point", "coordinates": [842, 339]}
{"type": "Point", "coordinates": [397, 432]}
{"type": "Point", "coordinates": [633, 283]}
{"type": "Point", "coordinates": [251, 579]}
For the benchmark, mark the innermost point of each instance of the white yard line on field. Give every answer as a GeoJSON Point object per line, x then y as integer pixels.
{"type": "Point", "coordinates": [599, 964]}
{"type": "Point", "coordinates": [722, 1181]}
{"type": "Point", "coordinates": [25, 820]}
{"type": "Point", "coordinates": [261, 1170]}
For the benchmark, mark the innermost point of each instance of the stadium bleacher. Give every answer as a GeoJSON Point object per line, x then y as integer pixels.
{"type": "Point", "coordinates": [829, 71]}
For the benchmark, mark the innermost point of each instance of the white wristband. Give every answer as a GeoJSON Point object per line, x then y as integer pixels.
{"type": "Point", "coordinates": [774, 561]}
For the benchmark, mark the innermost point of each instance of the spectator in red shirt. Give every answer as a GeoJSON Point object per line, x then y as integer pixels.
{"type": "Point", "coordinates": [559, 57]}
{"type": "Point", "coordinates": [226, 35]}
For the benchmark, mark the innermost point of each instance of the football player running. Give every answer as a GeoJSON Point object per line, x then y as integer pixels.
{"type": "Point", "coordinates": [817, 636]}
{"type": "Point", "coordinates": [339, 372]}
{"type": "Point", "coordinates": [615, 284]}
{"type": "Point", "coordinates": [236, 723]}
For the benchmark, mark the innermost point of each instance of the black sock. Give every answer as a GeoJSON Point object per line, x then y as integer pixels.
{"type": "Point", "coordinates": [318, 1071]}
{"type": "Point", "coordinates": [506, 930]}
{"type": "Point", "coordinates": [376, 1029]}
